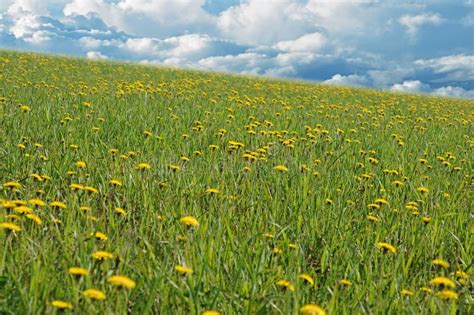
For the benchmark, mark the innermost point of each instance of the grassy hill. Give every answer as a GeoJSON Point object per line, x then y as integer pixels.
{"type": "Point", "coordinates": [176, 192]}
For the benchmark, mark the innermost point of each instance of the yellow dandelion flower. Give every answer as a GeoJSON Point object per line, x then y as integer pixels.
{"type": "Point", "coordinates": [345, 282]}
{"type": "Point", "coordinates": [426, 219]}
{"type": "Point", "coordinates": [211, 312]}
{"type": "Point", "coordinates": [328, 201]}
{"type": "Point", "coordinates": [58, 204]}
{"type": "Point", "coordinates": [174, 168]}
{"type": "Point", "coordinates": [121, 281]}
{"type": "Point", "coordinates": [386, 247]}
{"type": "Point", "coordinates": [85, 208]}
{"type": "Point", "coordinates": [407, 292]}
{"type": "Point", "coordinates": [183, 269]}
{"type": "Point", "coordinates": [25, 108]}
{"type": "Point", "coordinates": [423, 161]}
{"type": "Point", "coordinates": [189, 221]}
{"type": "Point", "coordinates": [100, 236]}
{"type": "Point", "coordinates": [12, 185]}
{"type": "Point", "coordinates": [285, 284]}
{"type": "Point", "coordinates": [268, 235]}
{"type": "Point", "coordinates": [381, 201]}
{"type": "Point", "coordinates": [373, 161]}
{"type": "Point", "coordinates": [422, 190]}
{"type": "Point", "coordinates": [102, 255]}
{"type": "Point", "coordinates": [91, 189]}
{"type": "Point", "coordinates": [442, 281]}
{"type": "Point", "coordinates": [281, 168]}
{"type": "Point", "coordinates": [212, 191]}
{"type": "Point", "coordinates": [312, 309]}
{"type": "Point", "coordinates": [92, 218]}
{"type": "Point", "coordinates": [448, 295]}
{"type": "Point", "coordinates": [277, 250]}
{"type": "Point", "coordinates": [10, 226]}
{"type": "Point", "coordinates": [143, 166]}
{"type": "Point", "coordinates": [441, 263]}
{"type": "Point", "coordinates": [426, 289]}
{"type": "Point", "coordinates": [80, 164]}
{"type": "Point", "coordinates": [115, 182]}
{"type": "Point", "coordinates": [372, 218]}
{"type": "Point", "coordinates": [462, 274]}
{"type": "Point", "coordinates": [120, 211]}
{"type": "Point", "coordinates": [306, 278]}
{"type": "Point", "coordinates": [397, 183]}
{"type": "Point", "coordinates": [147, 133]}
{"type": "Point", "coordinates": [37, 202]}
{"type": "Point", "coordinates": [22, 209]}
{"type": "Point", "coordinates": [76, 186]}
{"type": "Point", "coordinates": [78, 271]}
{"type": "Point", "coordinates": [12, 217]}
{"type": "Point", "coordinates": [37, 177]}
{"type": "Point", "coordinates": [94, 294]}
{"type": "Point", "coordinates": [35, 218]}
{"type": "Point", "coordinates": [9, 204]}
{"type": "Point", "coordinates": [62, 305]}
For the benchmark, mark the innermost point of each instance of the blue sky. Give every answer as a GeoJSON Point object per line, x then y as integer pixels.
{"type": "Point", "coordinates": [406, 46]}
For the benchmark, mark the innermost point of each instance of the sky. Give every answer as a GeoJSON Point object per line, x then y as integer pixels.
{"type": "Point", "coordinates": [404, 46]}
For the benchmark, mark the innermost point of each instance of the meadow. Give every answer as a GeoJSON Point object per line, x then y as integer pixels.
{"type": "Point", "coordinates": [148, 190]}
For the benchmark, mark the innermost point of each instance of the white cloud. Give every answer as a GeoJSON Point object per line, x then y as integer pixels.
{"type": "Point", "coordinates": [353, 79]}
{"type": "Point", "coordinates": [143, 46]}
{"type": "Point", "coordinates": [386, 78]}
{"type": "Point", "coordinates": [19, 8]}
{"type": "Point", "coordinates": [456, 67]}
{"type": "Point", "coordinates": [416, 86]}
{"type": "Point", "coordinates": [90, 42]}
{"type": "Point", "coordinates": [185, 49]}
{"type": "Point", "coordinates": [454, 91]}
{"type": "Point", "coordinates": [251, 63]}
{"type": "Point", "coordinates": [95, 55]}
{"type": "Point", "coordinates": [345, 17]}
{"type": "Point", "coordinates": [39, 37]}
{"type": "Point", "coordinates": [188, 45]}
{"type": "Point", "coordinates": [148, 18]}
{"type": "Point", "coordinates": [307, 42]}
{"type": "Point", "coordinates": [410, 86]}
{"type": "Point", "coordinates": [414, 22]}
{"type": "Point", "coordinates": [25, 26]}
{"type": "Point", "coordinates": [265, 22]}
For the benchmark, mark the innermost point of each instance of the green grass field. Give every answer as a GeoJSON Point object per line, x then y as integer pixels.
{"type": "Point", "coordinates": [212, 192]}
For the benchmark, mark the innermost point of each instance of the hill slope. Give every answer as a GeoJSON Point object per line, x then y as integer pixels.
{"type": "Point", "coordinates": [216, 192]}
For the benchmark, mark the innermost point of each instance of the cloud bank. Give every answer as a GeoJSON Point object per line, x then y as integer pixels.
{"type": "Point", "coordinates": [403, 47]}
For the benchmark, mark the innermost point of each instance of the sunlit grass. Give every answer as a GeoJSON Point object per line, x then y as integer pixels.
{"type": "Point", "coordinates": [149, 190]}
